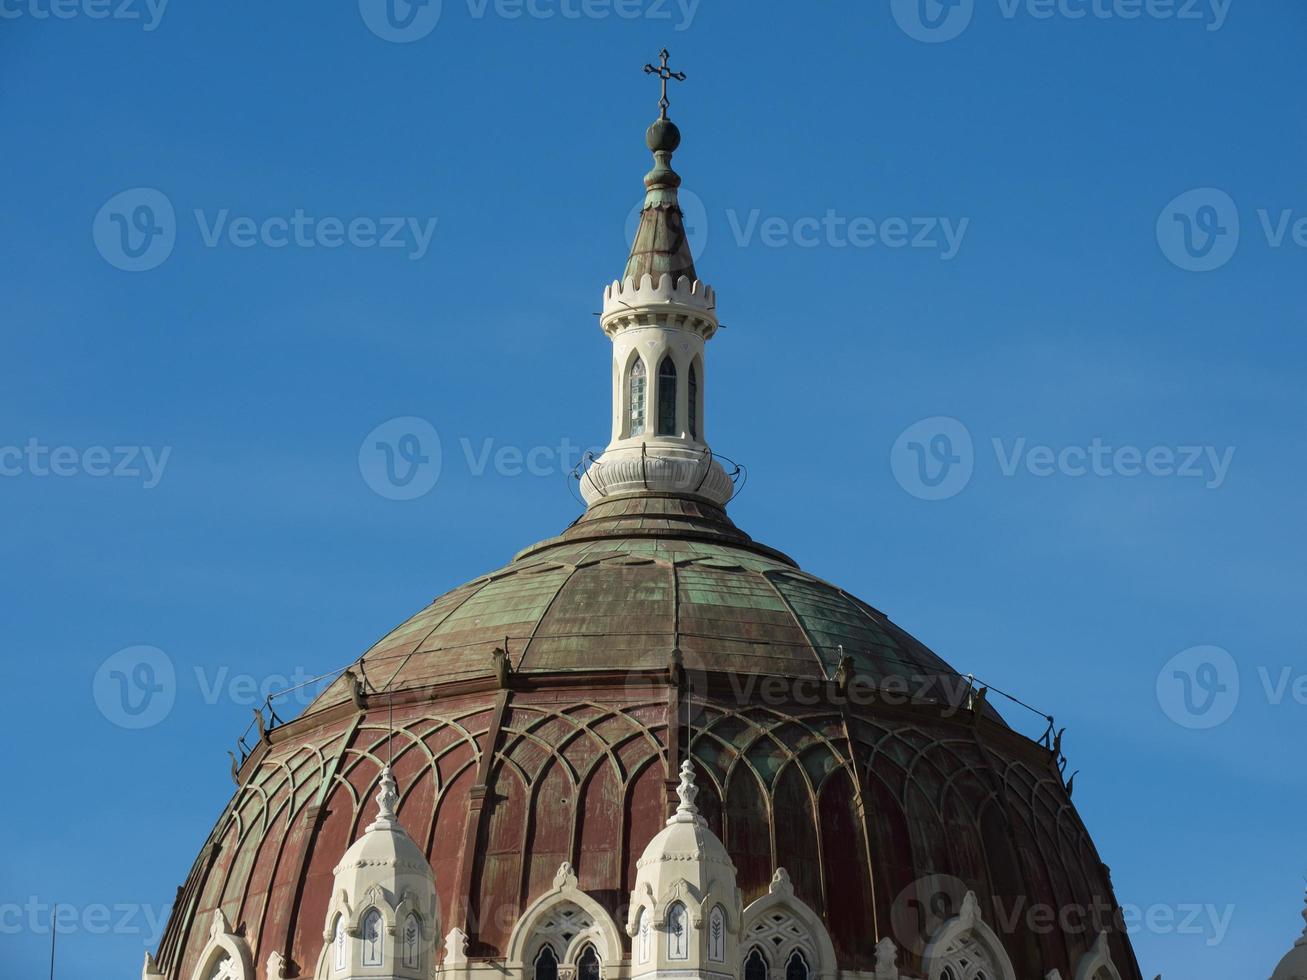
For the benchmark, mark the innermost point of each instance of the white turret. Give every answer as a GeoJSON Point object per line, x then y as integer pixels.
{"type": "Point", "coordinates": [384, 919]}
{"type": "Point", "coordinates": [686, 910]}
{"type": "Point", "coordinates": [659, 317]}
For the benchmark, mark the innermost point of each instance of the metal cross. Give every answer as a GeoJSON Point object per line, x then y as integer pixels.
{"type": "Point", "coordinates": [664, 73]}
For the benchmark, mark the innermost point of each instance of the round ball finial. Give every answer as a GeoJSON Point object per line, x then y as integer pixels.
{"type": "Point", "coordinates": [663, 136]}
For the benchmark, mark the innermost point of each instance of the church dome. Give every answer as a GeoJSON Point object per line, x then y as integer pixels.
{"type": "Point", "coordinates": [638, 580]}
{"type": "Point", "coordinates": [515, 747]}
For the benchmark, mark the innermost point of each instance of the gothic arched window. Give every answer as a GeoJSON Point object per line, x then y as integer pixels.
{"type": "Point", "coordinates": [546, 964]}
{"type": "Point", "coordinates": [338, 943]}
{"type": "Point", "coordinates": [587, 965]}
{"type": "Point", "coordinates": [646, 934]}
{"type": "Point", "coordinates": [796, 968]}
{"type": "Point", "coordinates": [635, 404]}
{"type": "Point", "coordinates": [410, 943]}
{"type": "Point", "coordinates": [678, 933]}
{"type": "Point", "coordinates": [717, 935]}
{"type": "Point", "coordinates": [755, 967]}
{"type": "Point", "coordinates": [372, 933]}
{"type": "Point", "coordinates": [694, 402]}
{"type": "Point", "coordinates": [667, 397]}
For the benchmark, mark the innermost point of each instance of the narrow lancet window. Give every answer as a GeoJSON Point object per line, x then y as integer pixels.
{"type": "Point", "coordinates": [694, 403]}
{"type": "Point", "coordinates": [667, 398]}
{"type": "Point", "coordinates": [755, 967]}
{"type": "Point", "coordinates": [635, 418]}
{"type": "Point", "coordinates": [546, 964]}
{"type": "Point", "coordinates": [587, 966]}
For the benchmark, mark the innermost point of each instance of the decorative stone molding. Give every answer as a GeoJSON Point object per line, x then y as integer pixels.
{"type": "Point", "coordinates": [1097, 963]}
{"type": "Point", "coordinates": [276, 966]}
{"type": "Point", "coordinates": [151, 970]}
{"type": "Point", "coordinates": [803, 929]}
{"type": "Point", "coordinates": [967, 931]}
{"type": "Point", "coordinates": [224, 948]}
{"type": "Point", "coordinates": [887, 958]}
{"type": "Point", "coordinates": [601, 932]}
{"type": "Point", "coordinates": [456, 948]}
{"type": "Point", "coordinates": [662, 469]}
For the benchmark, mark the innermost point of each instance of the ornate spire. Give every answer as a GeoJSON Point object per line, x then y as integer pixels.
{"type": "Point", "coordinates": [687, 812]}
{"type": "Point", "coordinates": [660, 245]}
{"type": "Point", "coordinates": [386, 800]}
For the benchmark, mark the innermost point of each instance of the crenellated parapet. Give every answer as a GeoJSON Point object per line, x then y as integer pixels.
{"type": "Point", "coordinates": [683, 304]}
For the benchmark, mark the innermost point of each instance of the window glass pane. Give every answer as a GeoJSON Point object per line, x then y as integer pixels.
{"type": "Point", "coordinates": [797, 967]}
{"type": "Point", "coordinates": [636, 405]}
{"type": "Point", "coordinates": [755, 967]}
{"type": "Point", "coordinates": [546, 966]}
{"type": "Point", "coordinates": [694, 403]}
{"type": "Point", "coordinates": [587, 967]}
{"type": "Point", "coordinates": [667, 398]}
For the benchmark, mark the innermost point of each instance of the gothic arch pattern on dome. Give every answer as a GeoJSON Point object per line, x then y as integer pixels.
{"type": "Point", "coordinates": [780, 923]}
{"type": "Point", "coordinates": [1097, 963]}
{"type": "Point", "coordinates": [566, 919]}
{"type": "Point", "coordinates": [226, 956]}
{"type": "Point", "coordinates": [965, 948]}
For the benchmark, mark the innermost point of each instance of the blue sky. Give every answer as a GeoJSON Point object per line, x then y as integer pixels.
{"type": "Point", "coordinates": [1118, 335]}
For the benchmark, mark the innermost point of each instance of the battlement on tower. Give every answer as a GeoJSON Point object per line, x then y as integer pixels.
{"type": "Point", "coordinates": [625, 301]}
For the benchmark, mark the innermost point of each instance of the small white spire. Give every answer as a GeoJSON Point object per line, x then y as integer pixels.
{"type": "Point", "coordinates": [687, 812]}
{"type": "Point", "coordinates": [386, 800]}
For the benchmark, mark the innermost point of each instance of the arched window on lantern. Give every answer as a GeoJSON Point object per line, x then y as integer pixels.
{"type": "Point", "coordinates": [694, 401]}
{"type": "Point", "coordinates": [372, 938]}
{"type": "Point", "coordinates": [587, 964]}
{"type": "Point", "coordinates": [636, 385]}
{"type": "Point", "coordinates": [667, 397]}
{"type": "Point", "coordinates": [546, 964]}
{"type": "Point", "coordinates": [796, 967]}
{"type": "Point", "coordinates": [411, 944]}
{"type": "Point", "coordinates": [678, 933]}
{"type": "Point", "coordinates": [717, 935]}
{"type": "Point", "coordinates": [755, 966]}
{"type": "Point", "coordinates": [338, 944]}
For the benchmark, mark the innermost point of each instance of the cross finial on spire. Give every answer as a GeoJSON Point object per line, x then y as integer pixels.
{"type": "Point", "coordinates": [665, 74]}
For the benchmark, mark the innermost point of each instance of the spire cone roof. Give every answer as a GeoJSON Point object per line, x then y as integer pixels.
{"type": "Point", "coordinates": [660, 246]}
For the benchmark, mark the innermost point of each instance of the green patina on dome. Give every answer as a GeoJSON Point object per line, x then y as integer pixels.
{"type": "Point", "coordinates": [637, 578]}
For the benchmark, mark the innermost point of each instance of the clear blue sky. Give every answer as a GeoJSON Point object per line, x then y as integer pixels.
{"type": "Point", "coordinates": [1068, 316]}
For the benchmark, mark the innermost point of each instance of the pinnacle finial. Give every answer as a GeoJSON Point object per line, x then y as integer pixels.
{"type": "Point", "coordinates": [687, 792]}
{"type": "Point", "coordinates": [387, 798]}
